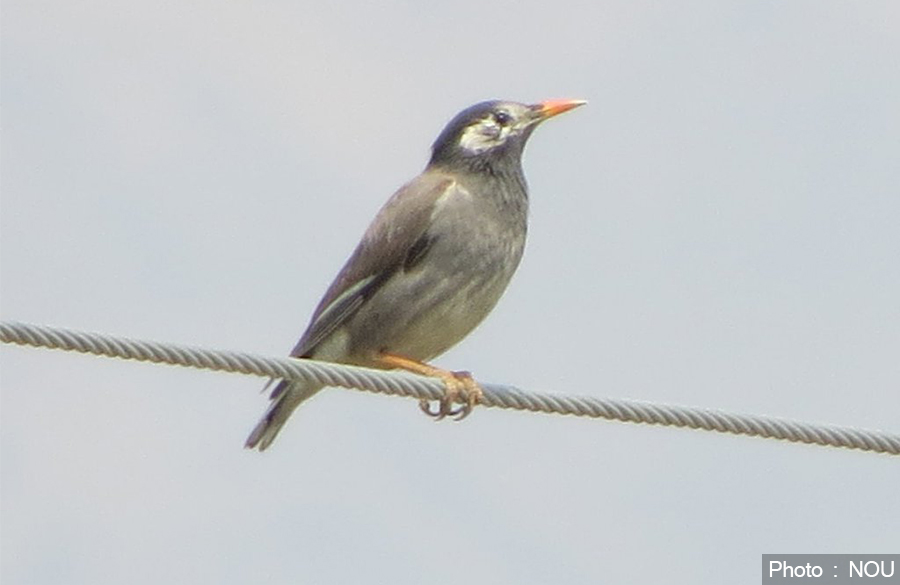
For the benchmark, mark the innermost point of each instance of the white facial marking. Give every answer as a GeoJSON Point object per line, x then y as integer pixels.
{"type": "Point", "coordinates": [485, 134]}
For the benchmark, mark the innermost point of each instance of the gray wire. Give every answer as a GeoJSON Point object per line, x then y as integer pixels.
{"type": "Point", "coordinates": [406, 384]}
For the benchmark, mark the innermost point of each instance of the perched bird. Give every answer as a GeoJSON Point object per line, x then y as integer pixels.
{"type": "Point", "coordinates": [432, 264]}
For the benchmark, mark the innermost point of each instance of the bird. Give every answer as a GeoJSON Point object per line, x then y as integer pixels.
{"type": "Point", "coordinates": [432, 264]}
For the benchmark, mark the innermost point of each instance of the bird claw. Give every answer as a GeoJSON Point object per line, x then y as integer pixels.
{"type": "Point", "coordinates": [459, 387]}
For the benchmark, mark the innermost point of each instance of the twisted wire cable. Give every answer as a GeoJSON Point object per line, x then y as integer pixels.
{"type": "Point", "coordinates": [405, 384]}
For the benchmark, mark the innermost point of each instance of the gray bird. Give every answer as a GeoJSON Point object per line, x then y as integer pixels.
{"type": "Point", "coordinates": [432, 264]}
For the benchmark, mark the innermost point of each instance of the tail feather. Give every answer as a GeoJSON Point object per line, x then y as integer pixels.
{"type": "Point", "coordinates": [286, 397]}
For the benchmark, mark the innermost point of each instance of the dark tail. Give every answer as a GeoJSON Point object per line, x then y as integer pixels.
{"type": "Point", "coordinates": [285, 398]}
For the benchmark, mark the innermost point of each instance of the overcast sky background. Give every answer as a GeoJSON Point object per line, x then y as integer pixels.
{"type": "Point", "coordinates": [719, 227]}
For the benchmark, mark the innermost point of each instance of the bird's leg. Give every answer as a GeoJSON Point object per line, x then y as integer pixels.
{"type": "Point", "coordinates": [458, 386]}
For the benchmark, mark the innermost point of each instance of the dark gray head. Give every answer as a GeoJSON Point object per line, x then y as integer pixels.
{"type": "Point", "coordinates": [491, 135]}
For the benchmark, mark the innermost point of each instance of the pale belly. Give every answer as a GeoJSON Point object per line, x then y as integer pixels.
{"type": "Point", "coordinates": [422, 314]}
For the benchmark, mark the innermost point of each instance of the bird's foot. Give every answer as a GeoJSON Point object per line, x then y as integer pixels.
{"type": "Point", "coordinates": [459, 387]}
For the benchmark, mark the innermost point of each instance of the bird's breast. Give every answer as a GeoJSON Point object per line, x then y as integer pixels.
{"type": "Point", "coordinates": [475, 247]}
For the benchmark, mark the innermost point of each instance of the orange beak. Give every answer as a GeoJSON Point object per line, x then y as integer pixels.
{"type": "Point", "coordinates": [551, 108]}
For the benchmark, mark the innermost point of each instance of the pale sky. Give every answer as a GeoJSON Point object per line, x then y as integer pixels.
{"type": "Point", "coordinates": [717, 228]}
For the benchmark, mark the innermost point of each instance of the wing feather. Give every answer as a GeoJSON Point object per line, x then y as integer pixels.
{"type": "Point", "coordinates": [397, 237]}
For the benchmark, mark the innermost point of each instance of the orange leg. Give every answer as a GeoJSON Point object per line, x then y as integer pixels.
{"type": "Point", "coordinates": [459, 386]}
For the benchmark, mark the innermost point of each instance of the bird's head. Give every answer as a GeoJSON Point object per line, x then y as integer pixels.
{"type": "Point", "coordinates": [493, 132]}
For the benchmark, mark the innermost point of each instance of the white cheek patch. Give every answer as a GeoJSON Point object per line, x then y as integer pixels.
{"type": "Point", "coordinates": [482, 136]}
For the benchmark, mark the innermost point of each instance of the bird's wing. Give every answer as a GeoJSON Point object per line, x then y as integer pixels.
{"type": "Point", "coordinates": [397, 238]}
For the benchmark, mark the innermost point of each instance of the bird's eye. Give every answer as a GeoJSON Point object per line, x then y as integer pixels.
{"type": "Point", "coordinates": [502, 118]}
